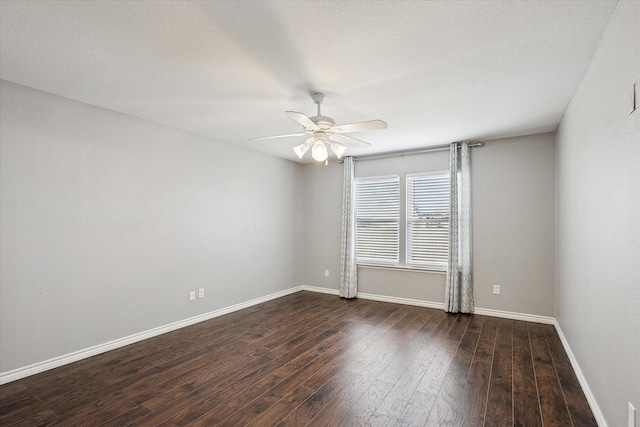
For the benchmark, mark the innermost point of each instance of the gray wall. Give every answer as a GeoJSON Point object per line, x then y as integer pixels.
{"type": "Point", "coordinates": [322, 216]}
{"type": "Point", "coordinates": [598, 220]}
{"type": "Point", "coordinates": [513, 203]}
{"type": "Point", "coordinates": [106, 222]}
{"type": "Point", "coordinates": [513, 224]}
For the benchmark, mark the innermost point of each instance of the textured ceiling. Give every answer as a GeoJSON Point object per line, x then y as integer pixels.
{"type": "Point", "coordinates": [436, 71]}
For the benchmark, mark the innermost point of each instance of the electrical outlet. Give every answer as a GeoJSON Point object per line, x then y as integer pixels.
{"type": "Point", "coordinates": [326, 273]}
{"type": "Point", "coordinates": [192, 295]}
{"type": "Point", "coordinates": [201, 293]}
{"type": "Point", "coordinates": [496, 289]}
{"type": "Point", "coordinates": [632, 416]}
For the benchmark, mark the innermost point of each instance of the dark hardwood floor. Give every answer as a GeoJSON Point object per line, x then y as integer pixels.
{"type": "Point", "coordinates": [314, 359]}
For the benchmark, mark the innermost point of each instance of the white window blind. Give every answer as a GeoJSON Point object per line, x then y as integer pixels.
{"type": "Point", "coordinates": [428, 220]}
{"type": "Point", "coordinates": [377, 220]}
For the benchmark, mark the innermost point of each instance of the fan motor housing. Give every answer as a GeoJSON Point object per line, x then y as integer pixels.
{"type": "Point", "coordinates": [323, 122]}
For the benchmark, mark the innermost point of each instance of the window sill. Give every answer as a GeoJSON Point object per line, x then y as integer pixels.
{"type": "Point", "coordinates": [401, 268]}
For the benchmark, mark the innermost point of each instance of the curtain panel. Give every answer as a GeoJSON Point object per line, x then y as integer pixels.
{"type": "Point", "coordinates": [458, 296]}
{"type": "Point", "coordinates": [348, 268]}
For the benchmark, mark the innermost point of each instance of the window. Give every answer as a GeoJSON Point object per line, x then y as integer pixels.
{"type": "Point", "coordinates": [422, 242]}
{"type": "Point", "coordinates": [428, 220]}
{"type": "Point", "coordinates": [378, 220]}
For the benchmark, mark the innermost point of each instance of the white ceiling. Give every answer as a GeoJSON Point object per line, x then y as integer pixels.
{"type": "Point", "coordinates": [435, 71]}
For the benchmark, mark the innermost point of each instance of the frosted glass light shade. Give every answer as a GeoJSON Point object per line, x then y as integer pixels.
{"type": "Point", "coordinates": [302, 148]}
{"type": "Point", "coordinates": [338, 149]}
{"type": "Point", "coordinates": [319, 151]}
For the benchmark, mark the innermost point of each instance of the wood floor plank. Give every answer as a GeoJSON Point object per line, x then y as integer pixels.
{"type": "Point", "coordinates": [461, 363]}
{"type": "Point", "coordinates": [499, 411]}
{"type": "Point", "coordinates": [451, 406]}
{"type": "Point", "coordinates": [368, 356]}
{"type": "Point", "coordinates": [325, 370]}
{"type": "Point", "coordinates": [417, 410]}
{"type": "Point", "coordinates": [526, 409]}
{"type": "Point", "coordinates": [138, 397]}
{"type": "Point", "coordinates": [299, 357]}
{"type": "Point", "coordinates": [344, 398]}
{"type": "Point", "coordinates": [331, 414]}
{"type": "Point", "coordinates": [553, 407]}
{"type": "Point", "coordinates": [43, 418]}
{"type": "Point", "coordinates": [365, 407]}
{"type": "Point", "coordinates": [303, 414]}
{"type": "Point", "coordinates": [577, 403]}
{"type": "Point", "coordinates": [379, 420]}
{"type": "Point", "coordinates": [317, 360]}
{"type": "Point", "coordinates": [398, 397]}
{"type": "Point", "coordinates": [412, 341]}
{"type": "Point", "coordinates": [13, 403]}
{"type": "Point", "coordinates": [459, 327]}
{"type": "Point", "coordinates": [433, 378]}
{"type": "Point", "coordinates": [243, 416]}
{"type": "Point", "coordinates": [203, 398]}
{"type": "Point", "coordinates": [372, 370]}
{"type": "Point", "coordinates": [480, 372]}
{"type": "Point", "coordinates": [325, 376]}
{"type": "Point", "coordinates": [145, 399]}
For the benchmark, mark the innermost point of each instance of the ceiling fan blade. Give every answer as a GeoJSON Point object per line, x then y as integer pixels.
{"type": "Point", "coordinates": [303, 120]}
{"type": "Point", "coordinates": [360, 126]}
{"type": "Point", "coordinates": [348, 141]}
{"type": "Point", "coordinates": [278, 136]}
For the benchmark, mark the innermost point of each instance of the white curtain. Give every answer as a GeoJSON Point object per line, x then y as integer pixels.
{"type": "Point", "coordinates": [348, 270]}
{"type": "Point", "coordinates": [458, 296]}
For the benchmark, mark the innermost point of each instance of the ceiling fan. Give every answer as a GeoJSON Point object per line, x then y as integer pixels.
{"type": "Point", "coordinates": [322, 128]}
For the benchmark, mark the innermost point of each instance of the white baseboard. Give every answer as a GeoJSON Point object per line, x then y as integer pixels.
{"type": "Point", "coordinates": [535, 318]}
{"type": "Point", "coordinates": [431, 304]}
{"type": "Point", "coordinates": [36, 368]}
{"type": "Point", "coordinates": [597, 413]}
{"type": "Point", "coordinates": [320, 290]}
{"type": "Point", "coordinates": [375, 297]}
{"type": "Point", "coordinates": [399, 300]}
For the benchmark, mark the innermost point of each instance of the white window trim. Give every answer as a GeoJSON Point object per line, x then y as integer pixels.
{"type": "Point", "coordinates": [402, 268]}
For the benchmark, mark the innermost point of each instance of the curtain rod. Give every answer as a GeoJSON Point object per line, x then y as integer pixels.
{"type": "Point", "coordinates": [441, 147]}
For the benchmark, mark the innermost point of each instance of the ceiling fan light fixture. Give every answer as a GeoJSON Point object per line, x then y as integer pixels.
{"type": "Point", "coordinates": [301, 149]}
{"type": "Point", "coordinates": [326, 134]}
{"type": "Point", "coordinates": [338, 149]}
{"type": "Point", "coordinates": [319, 151]}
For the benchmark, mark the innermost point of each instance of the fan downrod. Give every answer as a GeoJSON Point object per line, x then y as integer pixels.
{"type": "Point", "coordinates": [318, 97]}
